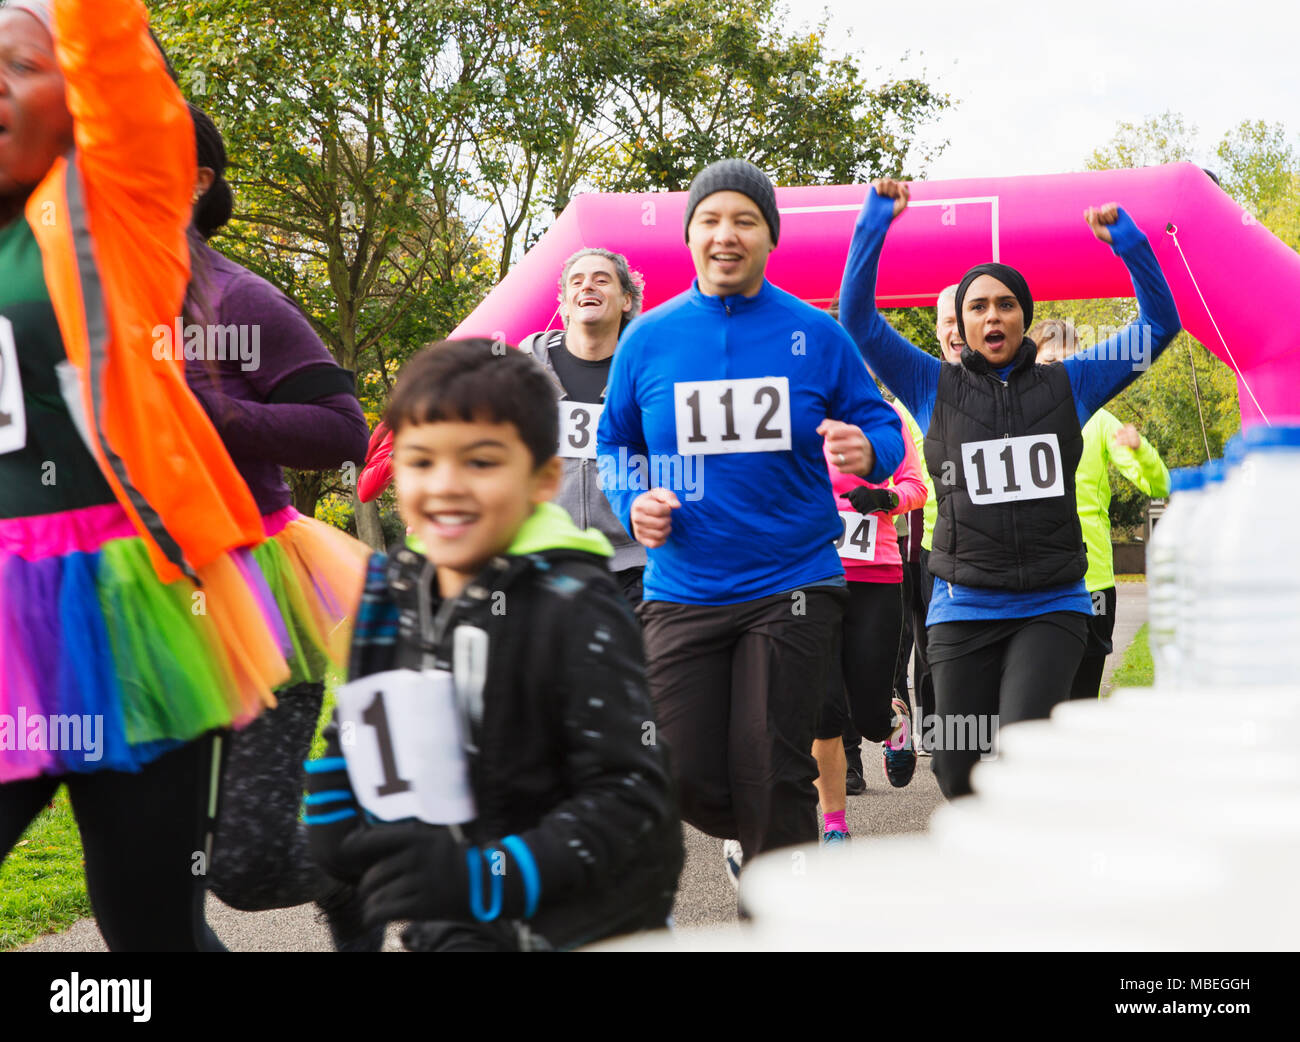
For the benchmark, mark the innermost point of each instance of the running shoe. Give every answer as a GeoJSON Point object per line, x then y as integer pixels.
{"type": "Point", "coordinates": [835, 838]}
{"type": "Point", "coordinates": [854, 783]}
{"type": "Point", "coordinates": [900, 757]}
{"type": "Point", "coordinates": [734, 858]}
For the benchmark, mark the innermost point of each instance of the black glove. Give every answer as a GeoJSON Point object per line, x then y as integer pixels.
{"type": "Point", "coordinates": [417, 871]}
{"type": "Point", "coordinates": [871, 500]}
{"type": "Point", "coordinates": [331, 812]}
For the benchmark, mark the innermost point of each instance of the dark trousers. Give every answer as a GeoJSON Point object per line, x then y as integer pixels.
{"type": "Point", "coordinates": [1020, 675]}
{"type": "Point", "coordinates": [919, 606]}
{"type": "Point", "coordinates": [859, 694]}
{"type": "Point", "coordinates": [737, 689]}
{"type": "Point", "coordinates": [1101, 627]}
{"type": "Point", "coordinates": [905, 634]}
{"type": "Point", "coordinates": [145, 838]}
{"type": "Point", "coordinates": [629, 584]}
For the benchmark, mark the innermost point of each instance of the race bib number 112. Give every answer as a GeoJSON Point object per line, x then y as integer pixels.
{"type": "Point", "coordinates": [716, 416]}
{"type": "Point", "coordinates": [1008, 469]}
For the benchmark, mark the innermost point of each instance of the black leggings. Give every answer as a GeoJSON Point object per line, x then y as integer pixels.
{"type": "Point", "coordinates": [261, 859]}
{"type": "Point", "coordinates": [145, 838]}
{"type": "Point", "coordinates": [1101, 628]}
{"type": "Point", "coordinates": [922, 681]}
{"type": "Point", "coordinates": [866, 649]}
{"type": "Point", "coordinates": [1007, 671]}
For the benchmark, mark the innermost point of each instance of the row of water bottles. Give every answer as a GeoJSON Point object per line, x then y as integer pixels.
{"type": "Point", "coordinates": [1223, 567]}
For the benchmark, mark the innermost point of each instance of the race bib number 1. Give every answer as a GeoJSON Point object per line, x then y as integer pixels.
{"type": "Point", "coordinates": [1007, 469]}
{"type": "Point", "coordinates": [401, 736]}
{"type": "Point", "coordinates": [857, 542]}
{"type": "Point", "coordinates": [716, 416]}
{"type": "Point", "coordinates": [578, 423]}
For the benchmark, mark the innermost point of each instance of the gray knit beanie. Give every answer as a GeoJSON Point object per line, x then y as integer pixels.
{"type": "Point", "coordinates": [39, 9]}
{"type": "Point", "coordinates": [735, 175]}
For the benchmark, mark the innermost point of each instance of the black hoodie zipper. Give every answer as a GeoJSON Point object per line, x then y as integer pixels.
{"type": "Point", "coordinates": [1005, 393]}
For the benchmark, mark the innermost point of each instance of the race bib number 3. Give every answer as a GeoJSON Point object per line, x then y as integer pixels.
{"type": "Point", "coordinates": [401, 736]}
{"type": "Point", "coordinates": [578, 423]}
{"type": "Point", "coordinates": [715, 416]}
{"type": "Point", "coordinates": [1008, 469]}
{"type": "Point", "coordinates": [857, 541]}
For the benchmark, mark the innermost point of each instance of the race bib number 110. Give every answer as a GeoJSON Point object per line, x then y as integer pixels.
{"type": "Point", "coordinates": [716, 416]}
{"type": "Point", "coordinates": [1007, 469]}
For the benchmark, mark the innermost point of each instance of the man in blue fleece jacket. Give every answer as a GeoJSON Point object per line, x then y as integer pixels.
{"type": "Point", "coordinates": [728, 392]}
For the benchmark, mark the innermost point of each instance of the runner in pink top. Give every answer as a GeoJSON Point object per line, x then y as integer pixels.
{"type": "Point", "coordinates": [873, 624]}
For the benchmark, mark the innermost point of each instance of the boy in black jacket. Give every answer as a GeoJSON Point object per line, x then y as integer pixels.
{"type": "Point", "coordinates": [497, 688]}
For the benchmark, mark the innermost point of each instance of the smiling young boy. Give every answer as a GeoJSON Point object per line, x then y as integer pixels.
{"type": "Point", "coordinates": [562, 827]}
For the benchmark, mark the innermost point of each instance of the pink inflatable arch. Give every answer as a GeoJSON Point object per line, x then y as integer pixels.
{"type": "Point", "coordinates": [1234, 281]}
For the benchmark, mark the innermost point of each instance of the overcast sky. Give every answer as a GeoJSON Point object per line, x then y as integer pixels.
{"type": "Point", "coordinates": [1042, 84]}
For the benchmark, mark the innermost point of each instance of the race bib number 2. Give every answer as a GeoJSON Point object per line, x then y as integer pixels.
{"type": "Point", "coordinates": [1008, 469]}
{"type": "Point", "coordinates": [717, 416]}
{"type": "Point", "coordinates": [13, 413]}
{"type": "Point", "coordinates": [578, 423]}
{"type": "Point", "coordinates": [400, 732]}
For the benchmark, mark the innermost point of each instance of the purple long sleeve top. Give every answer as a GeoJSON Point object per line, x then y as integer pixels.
{"type": "Point", "coordinates": [273, 390]}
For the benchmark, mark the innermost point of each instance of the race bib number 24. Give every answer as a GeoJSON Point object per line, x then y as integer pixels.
{"type": "Point", "coordinates": [857, 541]}
{"type": "Point", "coordinates": [717, 416]}
{"type": "Point", "coordinates": [1007, 469]}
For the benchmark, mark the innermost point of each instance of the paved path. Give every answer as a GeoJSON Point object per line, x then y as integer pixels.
{"type": "Point", "coordinates": [704, 898]}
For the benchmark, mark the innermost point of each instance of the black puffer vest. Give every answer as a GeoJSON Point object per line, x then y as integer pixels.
{"type": "Point", "coordinates": [989, 531]}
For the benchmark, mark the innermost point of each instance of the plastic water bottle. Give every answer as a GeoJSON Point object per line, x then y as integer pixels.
{"type": "Point", "coordinates": [1204, 538]}
{"type": "Point", "coordinates": [1248, 570]}
{"type": "Point", "coordinates": [1163, 597]}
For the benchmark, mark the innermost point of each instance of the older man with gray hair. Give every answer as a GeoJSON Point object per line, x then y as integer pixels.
{"type": "Point", "coordinates": [599, 295]}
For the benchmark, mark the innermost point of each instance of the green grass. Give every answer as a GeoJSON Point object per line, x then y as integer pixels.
{"type": "Point", "coordinates": [42, 881]}
{"type": "Point", "coordinates": [42, 886]}
{"type": "Point", "coordinates": [1137, 669]}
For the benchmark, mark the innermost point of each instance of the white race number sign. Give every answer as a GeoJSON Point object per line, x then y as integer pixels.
{"type": "Point", "coordinates": [401, 736]}
{"type": "Point", "coordinates": [578, 423]}
{"type": "Point", "coordinates": [13, 412]}
{"type": "Point", "coordinates": [857, 541]}
{"type": "Point", "coordinates": [716, 416]}
{"type": "Point", "coordinates": [1007, 469]}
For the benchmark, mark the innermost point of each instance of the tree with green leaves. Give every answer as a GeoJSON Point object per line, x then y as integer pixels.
{"type": "Point", "coordinates": [392, 158]}
{"type": "Point", "coordinates": [342, 128]}
{"type": "Point", "coordinates": [1187, 404]}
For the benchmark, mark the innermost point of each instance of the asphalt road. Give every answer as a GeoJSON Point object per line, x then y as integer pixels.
{"type": "Point", "coordinates": [705, 897]}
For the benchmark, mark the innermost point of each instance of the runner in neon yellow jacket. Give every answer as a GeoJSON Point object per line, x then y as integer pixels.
{"type": "Point", "coordinates": [1105, 440]}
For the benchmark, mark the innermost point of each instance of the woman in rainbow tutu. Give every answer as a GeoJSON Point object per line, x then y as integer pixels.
{"type": "Point", "coordinates": [135, 622]}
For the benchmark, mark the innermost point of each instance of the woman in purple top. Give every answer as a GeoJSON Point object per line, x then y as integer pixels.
{"type": "Point", "coordinates": [277, 398]}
